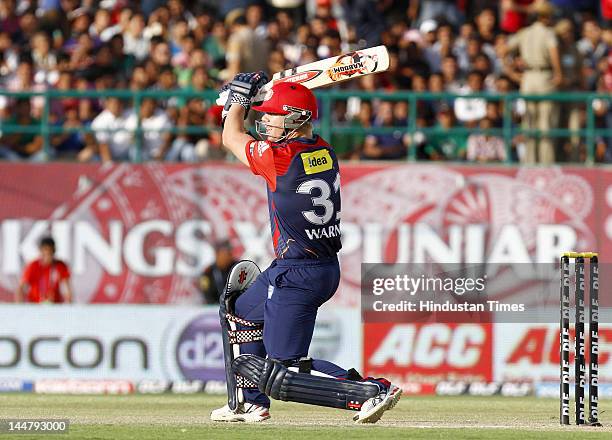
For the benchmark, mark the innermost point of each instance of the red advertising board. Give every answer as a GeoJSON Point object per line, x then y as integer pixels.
{"type": "Point", "coordinates": [530, 352]}
{"type": "Point", "coordinates": [142, 233]}
{"type": "Point", "coordinates": [428, 353]}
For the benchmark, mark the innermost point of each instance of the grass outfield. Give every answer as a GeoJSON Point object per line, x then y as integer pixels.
{"type": "Point", "coordinates": [186, 417]}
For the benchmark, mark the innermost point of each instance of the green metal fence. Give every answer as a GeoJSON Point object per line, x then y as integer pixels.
{"type": "Point", "coordinates": [326, 127]}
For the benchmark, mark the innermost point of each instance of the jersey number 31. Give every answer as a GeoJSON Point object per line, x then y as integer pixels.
{"type": "Point", "coordinates": [322, 200]}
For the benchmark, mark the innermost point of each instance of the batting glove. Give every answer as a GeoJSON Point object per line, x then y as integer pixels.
{"type": "Point", "coordinates": [244, 87]}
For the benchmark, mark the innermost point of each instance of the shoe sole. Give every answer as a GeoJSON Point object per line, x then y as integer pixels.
{"type": "Point", "coordinates": [377, 412]}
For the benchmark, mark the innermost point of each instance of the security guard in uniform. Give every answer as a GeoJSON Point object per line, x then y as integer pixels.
{"type": "Point", "coordinates": [538, 48]}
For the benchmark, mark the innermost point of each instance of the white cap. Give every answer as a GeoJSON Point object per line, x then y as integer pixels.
{"type": "Point", "coordinates": [428, 26]}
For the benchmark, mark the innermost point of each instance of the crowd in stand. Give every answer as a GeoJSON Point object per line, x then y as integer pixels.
{"type": "Point", "coordinates": [455, 46]}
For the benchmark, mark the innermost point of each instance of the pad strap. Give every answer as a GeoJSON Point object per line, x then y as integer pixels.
{"type": "Point", "coordinates": [244, 336]}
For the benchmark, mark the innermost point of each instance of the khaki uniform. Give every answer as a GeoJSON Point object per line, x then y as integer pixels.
{"type": "Point", "coordinates": [533, 44]}
{"type": "Point", "coordinates": [571, 66]}
{"type": "Point", "coordinates": [250, 49]}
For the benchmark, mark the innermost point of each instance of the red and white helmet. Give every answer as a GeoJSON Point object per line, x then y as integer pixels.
{"type": "Point", "coordinates": [293, 100]}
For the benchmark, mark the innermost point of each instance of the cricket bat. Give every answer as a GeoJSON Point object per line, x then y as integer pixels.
{"type": "Point", "coordinates": [332, 70]}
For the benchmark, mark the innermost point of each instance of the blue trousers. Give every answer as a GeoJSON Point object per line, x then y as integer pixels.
{"type": "Point", "coordinates": [286, 297]}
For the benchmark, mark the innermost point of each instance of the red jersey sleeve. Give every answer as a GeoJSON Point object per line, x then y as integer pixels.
{"type": "Point", "coordinates": [28, 273]}
{"type": "Point", "coordinates": [62, 269]}
{"type": "Point", "coordinates": [261, 161]}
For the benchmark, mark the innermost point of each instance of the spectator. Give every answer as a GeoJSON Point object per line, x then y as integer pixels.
{"type": "Point", "coordinates": [411, 62]}
{"type": "Point", "coordinates": [45, 280]}
{"type": "Point", "coordinates": [425, 108]}
{"type": "Point", "coordinates": [16, 146]}
{"type": "Point", "coordinates": [139, 79]}
{"type": "Point", "coordinates": [445, 145]}
{"type": "Point", "coordinates": [189, 147]}
{"type": "Point", "coordinates": [443, 46]}
{"type": "Point", "coordinates": [428, 32]}
{"type": "Point", "coordinates": [167, 82]}
{"type": "Point", "coordinates": [593, 48]}
{"type": "Point", "coordinates": [102, 20]}
{"type": "Point", "coordinates": [387, 145]}
{"type": "Point", "coordinates": [181, 60]}
{"type": "Point", "coordinates": [28, 23]}
{"type": "Point", "coordinates": [23, 80]}
{"type": "Point", "coordinates": [9, 56]}
{"type": "Point", "coordinates": [69, 143]}
{"type": "Point", "coordinates": [9, 22]}
{"type": "Point", "coordinates": [134, 41]}
{"type": "Point", "coordinates": [368, 17]}
{"type": "Point", "coordinates": [484, 147]}
{"type": "Point", "coordinates": [112, 140]}
{"type": "Point", "coordinates": [123, 64]}
{"type": "Point", "coordinates": [158, 24]}
{"type": "Point", "coordinates": [450, 74]}
{"type": "Point", "coordinates": [122, 26]}
{"type": "Point", "coordinates": [215, 44]}
{"type": "Point", "coordinates": [178, 31]}
{"type": "Point", "coordinates": [482, 64]}
{"type": "Point", "coordinates": [514, 14]}
{"type": "Point", "coordinates": [573, 80]}
{"type": "Point", "coordinates": [44, 61]}
{"type": "Point", "coordinates": [363, 119]}
{"type": "Point", "coordinates": [160, 52]}
{"type": "Point", "coordinates": [538, 48]}
{"type": "Point", "coordinates": [155, 125]}
{"type": "Point", "coordinates": [494, 113]}
{"type": "Point", "coordinates": [470, 110]}
{"type": "Point", "coordinates": [602, 109]}
{"type": "Point", "coordinates": [433, 9]}
{"type": "Point", "coordinates": [485, 25]}
{"type": "Point", "coordinates": [255, 19]}
{"type": "Point", "coordinates": [213, 279]}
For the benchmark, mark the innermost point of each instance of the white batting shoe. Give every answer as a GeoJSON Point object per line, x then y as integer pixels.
{"type": "Point", "coordinates": [373, 408]}
{"type": "Point", "coordinates": [246, 412]}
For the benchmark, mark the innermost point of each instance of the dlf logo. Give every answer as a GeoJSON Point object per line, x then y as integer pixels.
{"type": "Point", "coordinates": [565, 408]}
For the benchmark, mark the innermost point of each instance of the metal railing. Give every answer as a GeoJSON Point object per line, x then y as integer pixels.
{"type": "Point", "coordinates": [325, 125]}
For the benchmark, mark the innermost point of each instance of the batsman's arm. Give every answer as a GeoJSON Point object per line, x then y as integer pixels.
{"type": "Point", "coordinates": [234, 136]}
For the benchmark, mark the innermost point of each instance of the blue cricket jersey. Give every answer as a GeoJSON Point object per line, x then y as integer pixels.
{"type": "Point", "coordinates": [303, 180]}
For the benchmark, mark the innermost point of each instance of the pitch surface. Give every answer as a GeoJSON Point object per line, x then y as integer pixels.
{"type": "Point", "coordinates": [186, 417]}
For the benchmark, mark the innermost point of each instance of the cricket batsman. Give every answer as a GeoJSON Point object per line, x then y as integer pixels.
{"type": "Point", "coordinates": [268, 317]}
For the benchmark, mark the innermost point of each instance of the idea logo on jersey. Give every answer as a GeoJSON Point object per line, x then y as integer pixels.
{"type": "Point", "coordinates": [317, 161]}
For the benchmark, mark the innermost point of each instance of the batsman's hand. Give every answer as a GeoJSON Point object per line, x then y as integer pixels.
{"type": "Point", "coordinates": [244, 87]}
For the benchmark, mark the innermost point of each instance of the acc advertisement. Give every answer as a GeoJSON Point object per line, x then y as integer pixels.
{"type": "Point", "coordinates": [140, 342]}
{"type": "Point", "coordinates": [500, 352]}
{"type": "Point", "coordinates": [429, 352]}
{"type": "Point", "coordinates": [531, 352]}
{"type": "Point", "coordinates": [142, 233]}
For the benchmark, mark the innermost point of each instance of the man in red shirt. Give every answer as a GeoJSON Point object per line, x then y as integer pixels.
{"type": "Point", "coordinates": [44, 279]}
